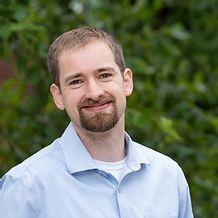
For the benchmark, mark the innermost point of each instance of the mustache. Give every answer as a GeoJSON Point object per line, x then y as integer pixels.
{"type": "Point", "coordinates": [101, 100]}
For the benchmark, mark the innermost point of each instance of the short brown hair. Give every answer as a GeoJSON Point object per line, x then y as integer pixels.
{"type": "Point", "coordinates": [77, 38]}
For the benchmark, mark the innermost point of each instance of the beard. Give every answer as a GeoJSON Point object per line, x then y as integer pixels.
{"type": "Point", "coordinates": [98, 121]}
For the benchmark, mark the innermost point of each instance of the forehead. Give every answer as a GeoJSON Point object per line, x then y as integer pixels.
{"type": "Point", "coordinates": [94, 55]}
{"type": "Point", "coordinates": [91, 47]}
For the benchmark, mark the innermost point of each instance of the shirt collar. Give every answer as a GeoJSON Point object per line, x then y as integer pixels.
{"type": "Point", "coordinates": [134, 154]}
{"type": "Point", "coordinates": [76, 155]}
{"type": "Point", "coordinates": [78, 158]}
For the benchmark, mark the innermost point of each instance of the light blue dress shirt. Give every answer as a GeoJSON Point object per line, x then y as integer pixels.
{"type": "Point", "coordinates": [62, 181]}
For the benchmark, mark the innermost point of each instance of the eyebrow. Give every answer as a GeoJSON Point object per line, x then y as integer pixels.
{"type": "Point", "coordinates": [105, 69]}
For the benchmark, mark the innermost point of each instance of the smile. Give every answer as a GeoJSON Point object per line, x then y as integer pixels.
{"type": "Point", "coordinates": [97, 107]}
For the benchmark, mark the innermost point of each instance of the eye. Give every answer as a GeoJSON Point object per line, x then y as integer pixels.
{"type": "Point", "coordinates": [105, 76]}
{"type": "Point", "coordinates": [76, 83]}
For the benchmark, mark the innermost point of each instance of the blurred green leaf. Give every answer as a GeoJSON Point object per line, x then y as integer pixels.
{"type": "Point", "coordinates": [171, 47]}
{"type": "Point", "coordinates": [166, 125]}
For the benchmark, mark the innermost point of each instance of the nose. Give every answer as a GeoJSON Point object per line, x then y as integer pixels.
{"type": "Point", "coordinates": [93, 90]}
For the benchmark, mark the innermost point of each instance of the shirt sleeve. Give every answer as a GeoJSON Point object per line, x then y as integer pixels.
{"type": "Point", "coordinates": [185, 207]}
{"type": "Point", "coordinates": [15, 199]}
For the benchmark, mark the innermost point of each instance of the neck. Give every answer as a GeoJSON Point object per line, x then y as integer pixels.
{"type": "Point", "coordinates": [106, 146]}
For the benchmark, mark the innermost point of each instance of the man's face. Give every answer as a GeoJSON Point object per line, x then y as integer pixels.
{"type": "Point", "coordinates": [92, 89]}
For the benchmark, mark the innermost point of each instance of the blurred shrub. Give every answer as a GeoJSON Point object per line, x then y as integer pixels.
{"type": "Point", "coordinates": [171, 46]}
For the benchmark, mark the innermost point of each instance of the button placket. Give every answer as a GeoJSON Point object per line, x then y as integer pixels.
{"type": "Point", "coordinates": [119, 190]}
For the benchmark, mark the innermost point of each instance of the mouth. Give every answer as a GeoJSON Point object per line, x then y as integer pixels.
{"type": "Point", "coordinates": [96, 107]}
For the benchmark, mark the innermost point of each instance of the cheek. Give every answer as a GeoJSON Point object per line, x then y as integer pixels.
{"type": "Point", "coordinates": [118, 91]}
{"type": "Point", "coordinates": [121, 99]}
{"type": "Point", "coordinates": [71, 101]}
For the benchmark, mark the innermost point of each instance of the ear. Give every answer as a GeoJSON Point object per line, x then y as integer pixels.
{"type": "Point", "coordinates": [128, 81]}
{"type": "Point", "coordinates": [57, 96]}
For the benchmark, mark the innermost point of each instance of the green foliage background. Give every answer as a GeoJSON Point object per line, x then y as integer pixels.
{"type": "Point", "coordinates": [171, 46]}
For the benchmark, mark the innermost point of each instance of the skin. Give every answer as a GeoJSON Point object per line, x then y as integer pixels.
{"type": "Point", "coordinates": [92, 84]}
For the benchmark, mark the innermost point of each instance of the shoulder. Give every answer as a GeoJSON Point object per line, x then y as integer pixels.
{"type": "Point", "coordinates": [156, 159]}
{"type": "Point", "coordinates": [161, 166]}
{"type": "Point", "coordinates": [39, 163]}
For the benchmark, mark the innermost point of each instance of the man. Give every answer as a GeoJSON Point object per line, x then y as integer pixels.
{"type": "Point", "coordinates": [94, 169]}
